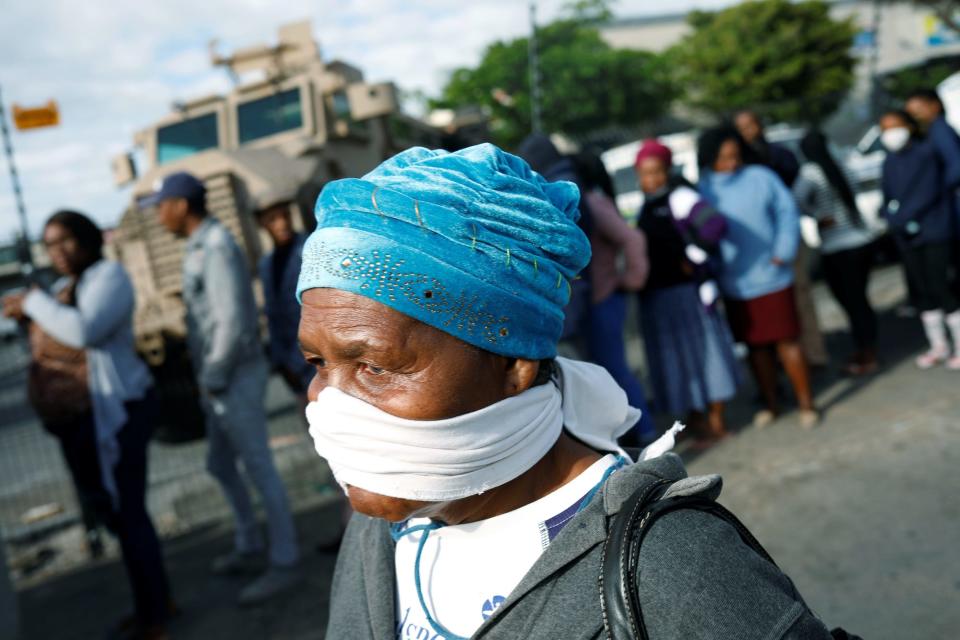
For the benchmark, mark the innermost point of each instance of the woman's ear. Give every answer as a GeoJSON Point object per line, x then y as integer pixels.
{"type": "Point", "coordinates": [521, 375]}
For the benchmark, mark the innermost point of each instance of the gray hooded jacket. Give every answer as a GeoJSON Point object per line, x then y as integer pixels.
{"type": "Point", "coordinates": [698, 579]}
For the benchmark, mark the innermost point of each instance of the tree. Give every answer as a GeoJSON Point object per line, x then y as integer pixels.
{"type": "Point", "coordinates": [903, 82]}
{"type": "Point", "coordinates": [788, 60]}
{"type": "Point", "coordinates": [585, 84]}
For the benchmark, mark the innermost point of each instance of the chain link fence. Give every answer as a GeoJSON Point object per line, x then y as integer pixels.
{"type": "Point", "coordinates": [41, 520]}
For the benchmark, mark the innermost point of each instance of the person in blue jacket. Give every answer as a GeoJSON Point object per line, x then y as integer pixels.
{"type": "Point", "coordinates": [921, 218]}
{"type": "Point", "coordinates": [757, 275]}
{"type": "Point", "coordinates": [927, 109]}
{"type": "Point", "coordinates": [278, 271]}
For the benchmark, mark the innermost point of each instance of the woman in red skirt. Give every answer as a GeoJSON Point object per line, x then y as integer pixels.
{"type": "Point", "coordinates": [756, 277]}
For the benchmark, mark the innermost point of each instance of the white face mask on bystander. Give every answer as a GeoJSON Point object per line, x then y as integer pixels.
{"type": "Point", "coordinates": [895, 139]}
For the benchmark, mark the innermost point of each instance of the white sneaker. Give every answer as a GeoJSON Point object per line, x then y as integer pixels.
{"type": "Point", "coordinates": [931, 358]}
{"type": "Point", "coordinates": [273, 582]}
{"type": "Point", "coordinates": [953, 364]}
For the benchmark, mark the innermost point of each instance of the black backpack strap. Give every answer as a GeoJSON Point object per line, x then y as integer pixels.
{"type": "Point", "coordinates": [619, 579]}
{"type": "Point", "coordinates": [618, 597]}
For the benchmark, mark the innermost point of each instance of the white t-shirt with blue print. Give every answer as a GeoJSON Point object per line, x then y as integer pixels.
{"type": "Point", "coordinates": [467, 571]}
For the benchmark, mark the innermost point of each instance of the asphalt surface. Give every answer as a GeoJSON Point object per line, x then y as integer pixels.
{"type": "Point", "coordinates": [861, 512]}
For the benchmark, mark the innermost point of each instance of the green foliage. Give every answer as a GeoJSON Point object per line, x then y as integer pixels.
{"type": "Point", "coordinates": [900, 84]}
{"type": "Point", "coordinates": [789, 61]}
{"type": "Point", "coordinates": [585, 85]}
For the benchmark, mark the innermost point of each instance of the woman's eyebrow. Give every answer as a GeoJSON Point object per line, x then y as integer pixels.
{"type": "Point", "coordinates": [351, 349]}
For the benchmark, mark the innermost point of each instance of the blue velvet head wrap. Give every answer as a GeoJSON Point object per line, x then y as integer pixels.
{"type": "Point", "coordinates": [473, 243]}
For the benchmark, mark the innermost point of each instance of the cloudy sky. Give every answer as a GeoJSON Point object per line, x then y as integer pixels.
{"type": "Point", "coordinates": [116, 66]}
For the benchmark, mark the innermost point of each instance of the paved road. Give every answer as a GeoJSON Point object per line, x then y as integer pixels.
{"type": "Point", "coordinates": [863, 513]}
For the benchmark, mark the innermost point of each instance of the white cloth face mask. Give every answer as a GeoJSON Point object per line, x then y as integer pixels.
{"type": "Point", "coordinates": [895, 139]}
{"type": "Point", "coordinates": [439, 460]}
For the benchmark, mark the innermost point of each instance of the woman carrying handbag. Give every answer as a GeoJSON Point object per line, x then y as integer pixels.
{"type": "Point", "coordinates": [95, 395]}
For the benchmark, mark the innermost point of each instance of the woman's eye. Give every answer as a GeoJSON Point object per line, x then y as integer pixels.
{"type": "Point", "coordinates": [318, 362]}
{"type": "Point", "coordinates": [374, 369]}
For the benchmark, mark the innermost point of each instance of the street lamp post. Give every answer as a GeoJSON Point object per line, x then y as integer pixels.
{"type": "Point", "coordinates": [26, 259]}
{"type": "Point", "coordinates": [535, 123]}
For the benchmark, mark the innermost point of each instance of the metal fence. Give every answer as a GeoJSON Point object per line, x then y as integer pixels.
{"type": "Point", "coordinates": [39, 513]}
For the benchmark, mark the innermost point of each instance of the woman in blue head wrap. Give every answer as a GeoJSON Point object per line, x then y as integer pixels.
{"type": "Point", "coordinates": [484, 470]}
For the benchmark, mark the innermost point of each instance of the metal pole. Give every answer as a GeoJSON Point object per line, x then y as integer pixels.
{"type": "Point", "coordinates": [535, 122]}
{"type": "Point", "coordinates": [26, 260]}
{"type": "Point", "coordinates": [875, 61]}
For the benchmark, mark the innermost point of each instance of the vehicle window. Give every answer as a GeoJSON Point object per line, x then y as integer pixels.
{"type": "Point", "coordinates": [625, 180]}
{"type": "Point", "coordinates": [875, 146]}
{"type": "Point", "coordinates": [341, 106]}
{"type": "Point", "coordinates": [186, 138]}
{"type": "Point", "coordinates": [341, 111]}
{"type": "Point", "coordinates": [270, 115]}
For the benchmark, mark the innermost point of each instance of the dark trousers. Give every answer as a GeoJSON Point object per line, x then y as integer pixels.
{"type": "Point", "coordinates": [130, 521]}
{"type": "Point", "coordinates": [929, 265]}
{"type": "Point", "coordinates": [605, 345]}
{"type": "Point", "coordinates": [847, 274]}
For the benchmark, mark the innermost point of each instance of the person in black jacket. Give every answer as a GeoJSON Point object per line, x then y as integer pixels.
{"type": "Point", "coordinates": [770, 154]}
{"type": "Point", "coordinates": [920, 215]}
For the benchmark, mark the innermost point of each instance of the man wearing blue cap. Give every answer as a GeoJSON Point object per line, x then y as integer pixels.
{"type": "Point", "coordinates": [224, 340]}
{"type": "Point", "coordinates": [485, 470]}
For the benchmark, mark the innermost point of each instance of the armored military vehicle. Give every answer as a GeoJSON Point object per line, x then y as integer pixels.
{"type": "Point", "coordinates": [300, 124]}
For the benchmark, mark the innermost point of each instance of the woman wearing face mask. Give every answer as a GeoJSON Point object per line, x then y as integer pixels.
{"type": "Point", "coordinates": [484, 470]}
{"type": "Point", "coordinates": [919, 212]}
{"type": "Point", "coordinates": [823, 192]}
{"type": "Point", "coordinates": [95, 395]}
{"type": "Point", "coordinates": [688, 345]}
{"type": "Point", "coordinates": [756, 277]}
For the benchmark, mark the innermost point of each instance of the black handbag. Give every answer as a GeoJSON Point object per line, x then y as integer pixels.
{"type": "Point", "coordinates": [619, 602]}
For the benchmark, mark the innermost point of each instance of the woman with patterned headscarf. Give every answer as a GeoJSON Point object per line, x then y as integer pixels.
{"type": "Point", "coordinates": [484, 469]}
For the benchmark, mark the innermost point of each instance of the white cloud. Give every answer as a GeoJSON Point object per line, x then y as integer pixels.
{"type": "Point", "coordinates": [115, 67]}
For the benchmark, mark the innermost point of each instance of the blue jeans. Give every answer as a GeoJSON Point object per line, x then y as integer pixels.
{"type": "Point", "coordinates": [237, 432]}
{"type": "Point", "coordinates": [605, 346]}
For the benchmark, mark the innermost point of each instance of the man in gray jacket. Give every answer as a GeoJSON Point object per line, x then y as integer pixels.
{"type": "Point", "coordinates": [224, 341]}
{"type": "Point", "coordinates": [483, 468]}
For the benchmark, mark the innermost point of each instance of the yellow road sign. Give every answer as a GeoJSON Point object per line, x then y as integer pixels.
{"type": "Point", "coordinates": [36, 117]}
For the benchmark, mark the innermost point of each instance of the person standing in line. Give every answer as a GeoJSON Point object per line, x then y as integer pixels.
{"type": "Point", "coordinates": [613, 241]}
{"type": "Point", "coordinates": [770, 154]}
{"type": "Point", "coordinates": [94, 394]}
{"type": "Point", "coordinates": [688, 345]}
{"type": "Point", "coordinates": [544, 157]}
{"type": "Point", "coordinates": [927, 109]}
{"type": "Point", "coordinates": [756, 277]}
{"type": "Point", "coordinates": [278, 272]}
{"type": "Point", "coordinates": [224, 340]}
{"type": "Point", "coordinates": [596, 312]}
{"type": "Point", "coordinates": [784, 163]}
{"type": "Point", "coordinates": [823, 192]}
{"type": "Point", "coordinates": [921, 218]}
